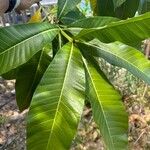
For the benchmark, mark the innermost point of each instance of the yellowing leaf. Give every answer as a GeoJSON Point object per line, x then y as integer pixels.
{"type": "Point", "coordinates": [37, 17]}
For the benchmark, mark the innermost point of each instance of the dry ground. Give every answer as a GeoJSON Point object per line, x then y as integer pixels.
{"type": "Point", "coordinates": [13, 133]}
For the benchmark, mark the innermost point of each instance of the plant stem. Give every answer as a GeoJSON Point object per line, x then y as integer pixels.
{"type": "Point", "coordinates": [66, 36]}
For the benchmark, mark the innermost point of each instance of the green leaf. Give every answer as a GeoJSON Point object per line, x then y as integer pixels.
{"type": "Point", "coordinates": [64, 6]}
{"type": "Point", "coordinates": [131, 31]}
{"type": "Point", "coordinates": [20, 42]}
{"type": "Point", "coordinates": [121, 55]}
{"type": "Point", "coordinates": [58, 102]}
{"type": "Point", "coordinates": [116, 8]}
{"type": "Point", "coordinates": [105, 8]}
{"type": "Point", "coordinates": [28, 77]}
{"type": "Point", "coordinates": [72, 16]}
{"type": "Point", "coordinates": [107, 108]}
{"type": "Point", "coordinates": [11, 75]}
{"type": "Point", "coordinates": [93, 22]}
{"type": "Point", "coordinates": [57, 43]}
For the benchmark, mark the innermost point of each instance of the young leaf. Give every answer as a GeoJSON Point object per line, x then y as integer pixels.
{"type": "Point", "coordinates": [107, 108]}
{"type": "Point", "coordinates": [64, 6]}
{"type": "Point", "coordinates": [130, 31]}
{"type": "Point", "coordinates": [58, 102]}
{"type": "Point", "coordinates": [121, 55]}
{"type": "Point", "coordinates": [28, 77]}
{"type": "Point", "coordinates": [20, 42]}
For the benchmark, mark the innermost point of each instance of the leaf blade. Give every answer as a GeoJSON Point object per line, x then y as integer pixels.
{"type": "Point", "coordinates": [123, 56]}
{"type": "Point", "coordinates": [122, 9]}
{"type": "Point", "coordinates": [131, 31]}
{"type": "Point", "coordinates": [19, 43]}
{"type": "Point", "coordinates": [72, 16]}
{"type": "Point", "coordinates": [28, 77]}
{"type": "Point", "coordinates": [93, 22]}
{"type": "Point", "coordinates": [106, 103]}
{"type": "Point", "coordinates": [64, 6]}
{"type": "Point", "coordinates": [56, 112]}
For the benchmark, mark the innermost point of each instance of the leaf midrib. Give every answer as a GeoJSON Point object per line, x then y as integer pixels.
{"type": "Point", "coordinates": [59, 101]}
{"type": "Point", "coordinates": [99, 103]}
{"type": "Point", "coordinates": [129, 64]}
{"type": "Point", "coordinates": [113, 24]}
{"type": "Point", "coordinates": [63, 9]}
{"type": "Point", "coordinates": [11, 48]}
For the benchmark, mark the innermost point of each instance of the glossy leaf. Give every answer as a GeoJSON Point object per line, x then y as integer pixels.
{"type": "Point", "coordinates": [93, 22]}
{"type": "Point", "coordinates": [58, 102]}
{"type": "Point", "coordinates": [12, 74]}
{"type": "Point", "coordinates": [64, 6]}
{"type": "Point", "coordinates": [131, 31]}
{"type": "Point", "coordinates": [20, 42]}
{"type": "Point", "coordinates": [107, 108]}
{"type": "Point", "coordinates": [121, 55]}
{"type": "Point", "coordinates": [28, 77]}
